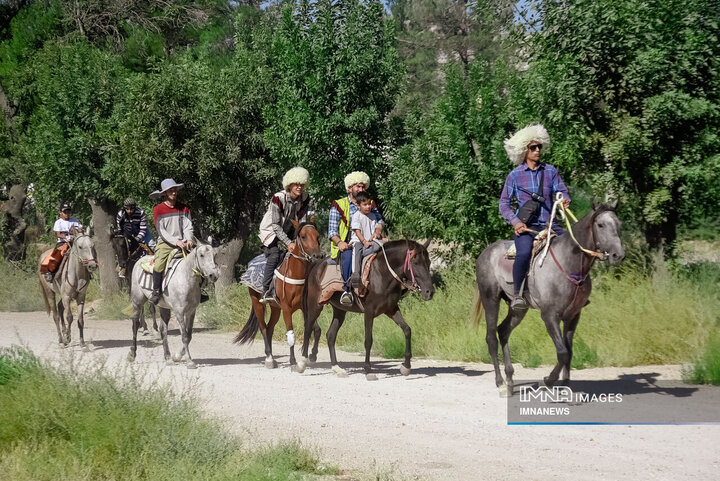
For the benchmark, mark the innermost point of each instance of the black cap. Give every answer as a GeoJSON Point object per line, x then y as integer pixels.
{"type": "Point", "coordinates": [65, 206]}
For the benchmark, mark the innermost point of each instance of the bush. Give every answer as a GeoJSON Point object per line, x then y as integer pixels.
{"type": "Point", "coordinates": [706, 370]}
{"type": "Point", "coordinates": [84, 424]}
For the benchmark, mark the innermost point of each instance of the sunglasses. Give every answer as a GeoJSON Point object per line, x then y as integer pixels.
{"type": "Point", "coordinates": [533, 148]}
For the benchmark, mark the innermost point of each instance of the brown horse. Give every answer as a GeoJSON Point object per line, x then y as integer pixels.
{"type": "Point", "coordinates": [289, 286]}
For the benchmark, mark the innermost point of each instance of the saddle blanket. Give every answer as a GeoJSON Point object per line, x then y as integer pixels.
{"type": "Point", "coordinates": [332, 280]}
{"type": "Point", "coordinates": [146, 278]}
{"type": "Point", "coordinates": [538, 244]}
{"type": "Point", "coordinates": [253, 276]}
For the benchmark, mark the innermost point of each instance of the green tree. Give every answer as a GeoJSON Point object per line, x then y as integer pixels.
{"type": "Point", "coordinates": [630, 91]}
{"type": "Point", "coordinates": [337, 76]}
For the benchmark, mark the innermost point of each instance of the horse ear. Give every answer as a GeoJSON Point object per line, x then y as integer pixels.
{"type": "Point", "coordinates": [593, 203]}
{"type": "Point", "coordinates": [209, 240]}
{"type": "Point", "coordinates": [427, 243]}
{"type": "Point", "coordinates": [613, 204]}
{"type": "Point", "coordinates": [295, 223]}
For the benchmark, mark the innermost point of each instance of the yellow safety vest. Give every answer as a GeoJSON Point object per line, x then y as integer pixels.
{"type": "Point", "coordinates": [343, 207]}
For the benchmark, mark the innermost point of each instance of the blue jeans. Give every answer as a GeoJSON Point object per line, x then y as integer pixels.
{"type": "Point", "coordinates": [523, 247]}
{"type": "Point", "coordinates": [346, 266]}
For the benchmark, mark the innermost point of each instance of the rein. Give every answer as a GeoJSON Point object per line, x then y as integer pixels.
{"type": "Point", "coordinates": [305, 258]}
{"type": "Point", "coordinates": [196, 268]}
{"type": "Point", "coordinates": [407, 265]}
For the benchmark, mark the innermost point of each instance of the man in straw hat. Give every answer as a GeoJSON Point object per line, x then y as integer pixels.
{"type": "Point", "coordinates": [289, 204]}
{"type": "Point", "coordinates": [174, 227]}
{"type": "Point", "coordinates": [530, 180]}
{"type": "Point", "coordinates": [341, 211]}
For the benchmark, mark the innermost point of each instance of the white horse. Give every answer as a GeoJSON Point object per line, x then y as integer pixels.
{"type": "Point", "coordinates": [182, 295]}
{"type": "Point", "coordinates": [70, 283]}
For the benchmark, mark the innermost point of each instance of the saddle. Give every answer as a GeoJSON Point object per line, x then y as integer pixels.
{"type": "Point", "coordinates": [538, 244]}
{"type": "Point", "coordinates": [332, 280]}
{"type": "Point", "coordinates": [147, 262]}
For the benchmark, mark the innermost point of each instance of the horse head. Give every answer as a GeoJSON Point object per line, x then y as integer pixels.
{"type": "Point", "coordinates": [307, 239]}
{"type": "Point", "coordinates": [418, 268]}
{"type": "Point", "coordinates": [205, 261]}
{"type": "Point", "coordinates": [606, 233]}
{"type": "Point", "coordinates": [84, 247]}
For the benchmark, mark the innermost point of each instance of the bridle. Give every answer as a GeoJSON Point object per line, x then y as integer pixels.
{"type": "Point", "coordinates": [73, 251]}
{"type": "Point", "coordinates": [305, 258]}
{"type": "Point", "coordinates": [407, 266]}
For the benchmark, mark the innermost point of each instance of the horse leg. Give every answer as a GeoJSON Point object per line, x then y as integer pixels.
{"type": "Point", "coordinates": [338, 319]}
{"type": "Point", "coordinates": [492, 306]}
{"type": "Point", "coordinates": [568, 334]}
{"type": "Point", "coordinates": [54, 313]}
{"type": "Point", "coordinates": [153, 312]}
{"type": "Point", "coordinates": [164, 322]}
{"type": "Point", "coordinates": [68, 315]}
{"type": "Point", "coordinates": [552, 324]}
{"type": "Point", "coordinates": [400, 321]}
{"type": "Point", "coordinates": [187, 337]}
{"type": "Point", "coordinates": [369, 318]}
{"type": "Point", "coordinates": [510, 322]}
{"type": "Point", "coordinates": [63, 326]}
{"type": "Point", "coordinates": [81, 323]}
{"type": "Point", "coordinates": [289, 332]}
{"type": "Point", "coordinates": [137, 315]}
{"type": "Point", "coordinates": [181, 319]}
{"type": "Point", "coordinates": [317, 332]}
{"type": "Point", "coordinates": [267, 331]}
{"type": "Point", "coordinates": [310, 319]}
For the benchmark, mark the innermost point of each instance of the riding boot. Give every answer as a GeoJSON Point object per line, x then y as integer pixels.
{"type": "Point", "coordinates": [49, 276]}
{"type": "Point", "coordinates": [356, 265]}
{"type": "Point", "coordinates": [157, 288]}
{"type": "Point", "coordinates": [269, 295]}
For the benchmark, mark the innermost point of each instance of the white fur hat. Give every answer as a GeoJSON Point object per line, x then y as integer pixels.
{"type": "Point", "coordinates": [296, 175]}
{"type": "Point", "coordinates": [516, 145]}
{"type": "Point", "coordinates": [357, 177]}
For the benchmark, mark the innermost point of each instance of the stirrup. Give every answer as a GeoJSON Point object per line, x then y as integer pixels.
{"type": "Point", "coordinates": [48, 276]}
{"type": "Point", "coordinates": [346, 299]}
{"type": "Point", "coordinates": [518, 302]}
{"type": "Point", "coordinates": [268, 297]}
{"type": "Point", "coordinates": [155, 298]}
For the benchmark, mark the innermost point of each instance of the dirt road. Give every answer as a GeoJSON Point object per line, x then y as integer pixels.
{"type": "Point", "coordinates": [445, 421]}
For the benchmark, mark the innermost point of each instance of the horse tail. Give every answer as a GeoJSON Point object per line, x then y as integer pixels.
{"type": "Point", "coordinates": [45, 298]}
{"type": "Point", "coordinates": [478, 307]}
{"type": "Point", "coordinates": [248, 332]}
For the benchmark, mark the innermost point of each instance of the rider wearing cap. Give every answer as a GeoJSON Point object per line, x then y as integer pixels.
{"type": "Point", "coordinates": [63, 228]}
{"type": "Point", "coordinates": [174, 227]}
{"type": "Point", "coordinates": [524, 150]}
{"type": "Point", "coordinates": [289, 204]}
{"type": "Point", "coordinates": [341, 211]}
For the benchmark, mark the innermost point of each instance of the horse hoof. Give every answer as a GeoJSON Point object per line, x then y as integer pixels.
{"type": "Point", "coordinates": [313, 357]}
{"type": "Point", "coordinates": [131, 357]}
{"type": "Point", "coordinates": [145, 332]}
{"type": "Point", "coordinates": [169, 362]}
{"type": "Point", "coordinates": [548, 382]}
{"type": "Point", "coordinates": [301, 365]}
{"type": "Point", "coordinates": [405, 371]}
{"type": "Point", "coordinates": [85, 348]}
{"type": "Point", "coordinates": [339, 372]}
{"type": "Point", "coordinates": [271, 364]}
{"type": "Point", "coordinates": [177, 358]}
{"type": "Point", "coordinates": [503, 390]}
{"type": "Point", "coordinates": [371, 377]}
{"type": "Point", "coordinates": [191, 365]}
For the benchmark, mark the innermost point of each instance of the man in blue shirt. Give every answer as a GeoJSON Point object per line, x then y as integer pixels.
{"type": "Point", "coordinates": [524, 150]}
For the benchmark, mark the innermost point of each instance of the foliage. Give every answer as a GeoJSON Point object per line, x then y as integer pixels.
{"type": "Point", "coordinates": [86, 424]}
{"type": "Point", "coordinates": [631, 93]}
{"type": "Point", "coordinates": [706, 369]}
{"type": "Point", "coordinates": [337, 75]}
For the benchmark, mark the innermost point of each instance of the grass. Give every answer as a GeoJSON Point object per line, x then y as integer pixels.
{"type": "Point", "coordinates": [633, 319]}
{"type": "Point", "coordinates": [84, 424]}
{"type": "Point", "coordinates": [19, 289]}
{"type": "Point", "coordinates": [706, 369]}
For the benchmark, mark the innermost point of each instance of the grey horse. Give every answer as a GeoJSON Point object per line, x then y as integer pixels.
{"type": "Point", "coordinates": [71, 282]}
{"type": "Point", "coordinates": [182, 295]}
{"type": "Point", "coordinates": [560, 288]}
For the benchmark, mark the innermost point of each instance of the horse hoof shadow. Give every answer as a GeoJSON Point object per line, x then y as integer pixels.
{"type": "Point", "coordinates": [371, 377]}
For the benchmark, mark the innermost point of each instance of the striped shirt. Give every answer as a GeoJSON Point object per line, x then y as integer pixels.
{"type": "Point", "coordinates": [524, 177]}
{"type": "Point", "coordinates": [173, 223]}
{"type": "Point", "coordinates": [334, 218]}
{"type": "Point", "coordinates": [137, 219]}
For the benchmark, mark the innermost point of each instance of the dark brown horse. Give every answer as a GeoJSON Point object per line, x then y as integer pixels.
{"type": "Point", "coordinates": [400, 267]}
{"type": "Point", "coordinates": [289, 286]}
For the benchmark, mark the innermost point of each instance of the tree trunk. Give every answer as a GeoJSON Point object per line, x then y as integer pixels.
{"type": "Point", "coordinates": [103, 216]}
{"type": "Point", "coordinates": [225, 257]}
{"type": "Point", "coordinates": [15, 224]}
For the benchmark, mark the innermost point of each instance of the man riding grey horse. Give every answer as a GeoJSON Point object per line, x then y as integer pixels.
{"type": "Point", "coordinates": [534, 184]}
{"type": "Point", "coordinates": [175, 230]}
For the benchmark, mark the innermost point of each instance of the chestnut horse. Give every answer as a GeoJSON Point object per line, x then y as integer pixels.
{"type": "Point", "coordinates": [289, 286]}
